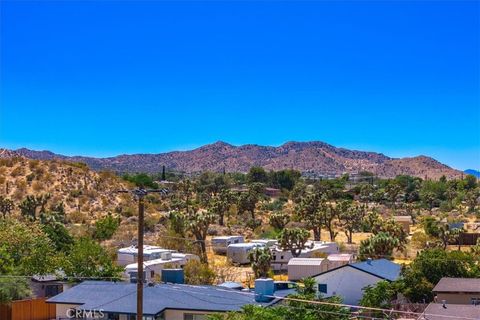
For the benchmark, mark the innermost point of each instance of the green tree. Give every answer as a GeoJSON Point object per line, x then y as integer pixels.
{"type": "Point", "coordinates": [294, 240]}
{"type": "Point", "coordinates": [420, 276]}
{"type": "Point", "coordinates": [141, 180]}
{"type": "Point", "coordinates": [88, 259]}
{"type": "Point", "coordinates": [257, 174]}
{"type": "Point", "coordinates": [379, 295]}
{"type": "Point", "coordinates": [13, 289]}
{"type": "Point", "coordinates": [260, 259]}
{"type": "Point", "coordinates": [106, 227]}
{"type": "Point", "coordinates": [247, 201]}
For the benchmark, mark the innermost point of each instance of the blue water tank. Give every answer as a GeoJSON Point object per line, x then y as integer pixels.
{"type": "Point", "coordinates": [264, 289]}
{"type": "Point", "coordinates": [173, 276]}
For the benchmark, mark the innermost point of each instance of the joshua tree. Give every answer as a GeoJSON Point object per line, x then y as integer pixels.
{"type": "Point", "coordinates": [311, 209]}
{"type": "Point", "coordinates": [279, 219]}
{"type": "Point", "coordinates": [6, 206]}
{"type": "Point", "coordinates": [380, 245]}
{"type": "Point", "coordinates": [31, 204]}
{"type": "Point", "coordinates": [350, 217]}
{"type": "Point", "coordinates": [260, 259]}
{"type": "Point", "coordinates": [294, 240]}
{"type": "Point", "coordinates": [197, 223]}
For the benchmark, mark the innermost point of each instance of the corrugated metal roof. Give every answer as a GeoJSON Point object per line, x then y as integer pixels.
{"type": "Point", "coordinates": [305, 261]}
{"type": "Point", "coordinates": [340, 257]}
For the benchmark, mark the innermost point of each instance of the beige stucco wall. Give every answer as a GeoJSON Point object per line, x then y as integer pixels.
{"type": "Point", "coordinates": [61, 310]}
{"type": "Point", "coordinates": [457, 298]}
{"type": "Point", "coordinates": [178, 314]}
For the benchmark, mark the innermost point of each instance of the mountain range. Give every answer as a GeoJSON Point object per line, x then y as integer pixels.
{"type": "Point", "coordinates": [308, 157]}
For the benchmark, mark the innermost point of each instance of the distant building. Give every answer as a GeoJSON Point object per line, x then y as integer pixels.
{"type": "Point", "coordinates": [299, 268]}
{"type": "Point", "coordinates": [458, 291]}
{"type": "Point", "coordinates": [439, 311]}
{"type": "Point", "coordinates": [280, 257]}
{"type": "Point", "coordinates": [128, 255]}
{"type": "Point", "coordinates": [348, 281]}
{"type": "Point", "coordinates": [336, 260]}
{"type": "Point", "coordinates": [46, 286]}
{"type": "Point", "coordinates": [152, 269]}
{"type": "Point", "coordinates": [404, 221]}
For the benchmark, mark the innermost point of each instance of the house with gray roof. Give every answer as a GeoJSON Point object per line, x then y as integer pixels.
{"type": "Point", "coordinates": [458, 291]}
{"type": "Point", "coordinates": [165, 301]}
{"type": "Point", "coordinates": [349, 280]}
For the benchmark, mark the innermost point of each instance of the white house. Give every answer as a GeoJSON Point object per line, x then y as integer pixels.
{"type": "Point", "coordinates": [349, 280]}
{"type": "Point", "coordinates": [280, 257]}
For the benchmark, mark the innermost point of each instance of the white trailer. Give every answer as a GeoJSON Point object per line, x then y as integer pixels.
{"type": "Point", "coordinates": [238, 253]}
{"type": "Point", "coordinates": [220, 244]}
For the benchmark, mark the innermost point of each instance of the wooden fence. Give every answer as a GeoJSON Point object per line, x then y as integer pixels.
{"type": "Point", "coordinates": [31, 309]}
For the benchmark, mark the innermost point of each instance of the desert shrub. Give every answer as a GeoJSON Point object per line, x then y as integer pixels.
{"type": "Point", "coordinates": [37, 186]}
{"type": "Point", "coordinates": [197, 273]}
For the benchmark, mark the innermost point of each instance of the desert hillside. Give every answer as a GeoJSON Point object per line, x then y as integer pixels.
{"type": "Point", "coordinates": [313, 157]}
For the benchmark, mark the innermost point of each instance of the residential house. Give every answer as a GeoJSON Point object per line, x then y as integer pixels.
{"type": "Point", "coordinates": [109, 300]}
{"type": "Point", "coordinates": [458, 291]}
{"type": "Point", "coordinates": [313, 249]}
{"type": "Point", "coordinates": [439, 311]}
{"type": "Point", "coordinates": [349, 280]}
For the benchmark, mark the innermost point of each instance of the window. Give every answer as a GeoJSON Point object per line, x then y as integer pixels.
{"type": "Point", "coordinates": [281, 257]}
{"type": "Point", "coordinates": [475, 301]}
{"type": "Point", "coordinates": [322, 287]}
{"type": "Point", "coordinates": [193, 316]}
{"type": "Point", "coordinates": [152, 274]}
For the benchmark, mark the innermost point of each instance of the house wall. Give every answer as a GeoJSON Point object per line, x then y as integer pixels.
{"type": "Point", "coordinates": [281, 264]}
{"type": "Point", "coordinates": [347, 282]}
{"type": "Point", "coordinates": [178, 314]}
{"type": "Point", "coordinates": [457, 298]}
{"type": "Point", "coordinates": [297, 272]}
{"type": "Point", "coordinates": [61, 310]}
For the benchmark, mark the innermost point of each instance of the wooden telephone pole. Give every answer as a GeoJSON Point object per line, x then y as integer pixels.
{"type": "Point", "coordinates": [140, 194]}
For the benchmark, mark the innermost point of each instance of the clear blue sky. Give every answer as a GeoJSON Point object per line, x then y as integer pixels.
{"type": "Point", "coordinates": [105, 78]}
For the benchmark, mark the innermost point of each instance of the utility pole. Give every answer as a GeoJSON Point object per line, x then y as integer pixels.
{"type": "Point", "coordinates": [140, 194]}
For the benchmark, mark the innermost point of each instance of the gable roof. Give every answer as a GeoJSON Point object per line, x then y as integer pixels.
{"type": "Point", "coordinates": [381, 268]}
{"type": "Point", "coordinates": [120, 297]}
{"type": "Point", "coordinates": [436, 311]}
{"type": "Point", "coordinates": [457, 285]}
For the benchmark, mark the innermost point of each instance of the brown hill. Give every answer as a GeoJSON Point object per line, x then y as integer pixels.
{"type": "Point", "coordinates": [313, 157]}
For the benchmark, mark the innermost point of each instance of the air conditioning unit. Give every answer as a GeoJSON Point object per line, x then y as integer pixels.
{"type": "Point", "coordinates": [166, 256]}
